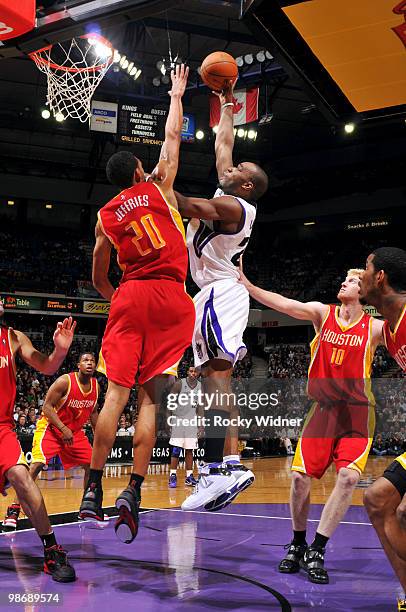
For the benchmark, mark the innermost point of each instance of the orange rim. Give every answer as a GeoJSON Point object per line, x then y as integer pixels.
{"type": "Point", "coordinates": [34, 55]}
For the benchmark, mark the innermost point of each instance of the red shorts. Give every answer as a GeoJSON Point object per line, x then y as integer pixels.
{"type": "Point", "coordinates": [47, 445]}
{"type": "Point", "coordinates": [340, 434]}
{"type": "Point", "coordinates": [10, 453]}
{"type": "Point", "coordinates": [149, 328]}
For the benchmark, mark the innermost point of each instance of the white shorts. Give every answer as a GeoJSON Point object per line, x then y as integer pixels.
{"type": "Point", "coordinates": [222, 310]}
{"type": "Point", "coordinates": [185, 443]}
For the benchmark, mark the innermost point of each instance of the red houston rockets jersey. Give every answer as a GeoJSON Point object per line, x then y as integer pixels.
{"type": "Point", "coordinates": [147, 233]}
{"type": "Point", "coordinates": [341, 360]}
{"type": "Point", "coordinates": [7, 378]}
{"type": "Point", "coordinates": [76, 406]}
{"type": "Point", "coordinates": [396, 341]}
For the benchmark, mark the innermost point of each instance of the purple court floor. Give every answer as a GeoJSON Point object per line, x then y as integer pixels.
{"type": "Point", "coordinates": [203, 562]}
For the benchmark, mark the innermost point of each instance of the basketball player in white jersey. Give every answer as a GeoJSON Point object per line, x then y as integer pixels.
{"type": "Point", "coordinates": [222, 304]}
{"type": "Point", "coordinates": [184, 434]}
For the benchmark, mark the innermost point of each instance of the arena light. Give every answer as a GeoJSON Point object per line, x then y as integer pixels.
{"type": "Point", "coordinates": [130, 67]}
{"type": "Point", "coordinates": [252, 134]}
{"type": "Point", "coordinates": [215, 129]}
{"type": "Point", "coordinates": [10, 202]}
{"type": "Point", "coordinates": [240, 133]}
{"type": "Point", "coordinates": [349, 128]}
{"type": "Point", "coordinates": [199, 134]}
{"type": "Point", "coordinates": [59, 117]}
{"type": "Point", "coordinates": [310, 223]}
{"type": "Point", "coordinates": [137, 74]}
{"type": "Point", "coordinates": [133, 71]}
{"type": "Point", "coordinates": [260, 56]}
{"type": "Point", "coordinates": [240, 61]}
{"type": "Point", "coordinates": [249, 58]}
{"type": "Point", "coordinates": [45, 113]}
{"type": "Point", "coordinates": [49, 206]}
{"type": "Point", "coordinates": [268, 55]}
{"type": "Point", "coordinates": [159, 65]}
{"type": "Point", "coordinates": [103, 51]}
{"type": "Point", "coordinates": [156, 81]}
{"type": "Point", "coordinates": [125, 64]}
{"type": "Point", "coordinates": [116, 56]}
{"type": "Point", "coordinates": [122, 60]}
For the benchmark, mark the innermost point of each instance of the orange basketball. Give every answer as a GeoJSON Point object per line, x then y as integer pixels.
{"type": "Point", "coordinates": [217, 68]}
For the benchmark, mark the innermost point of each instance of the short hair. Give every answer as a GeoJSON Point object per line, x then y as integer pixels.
{"type": "Point", "coordinates": [355, 272]}
{"type": "Point", "coordinates": [87, 353]}
{"type": "Point", "coordinates": [392, 261]}
{"type": "Point", "coordinates": [260, 182]}
{"type": "Point", "coordinates": [120, 169]}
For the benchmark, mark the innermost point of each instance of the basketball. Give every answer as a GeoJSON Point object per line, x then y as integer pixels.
{"type": "Point", "coordinates": [217, 69]}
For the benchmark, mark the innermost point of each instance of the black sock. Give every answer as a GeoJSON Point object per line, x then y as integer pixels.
{"type": "Point", "coordinates": [48, 540]}
{"type": "Point", "coordinates": [95, 476]}
{"type": "Point", "coordinates": [299, 537]}
{"type": "Point", "coordinates": [215, 435]}
{"type": "Point", "coordinates": [136, 481]}
{"type": "Point", "coordinates": [320, 541]}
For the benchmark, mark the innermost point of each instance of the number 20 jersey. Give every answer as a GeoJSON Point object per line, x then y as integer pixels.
{"type": "Point", "coordinates": [213, 254]}
{"type": "Point", "coordinates": [341, 361]}
{"type": "Point", "coordinates": [147, 233]}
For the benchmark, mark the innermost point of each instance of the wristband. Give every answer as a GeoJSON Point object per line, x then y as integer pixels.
{"type": "Point", "coordinates": [227, 104]}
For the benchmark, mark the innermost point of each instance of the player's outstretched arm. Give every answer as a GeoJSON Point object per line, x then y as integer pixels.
{"type": "Point", "coordinates": [225, 134]}
{"type": "Point", "coordinates": [167, 168]}
{"type": "Point", "coordinates": [101, 264]}
{"type": "Point", "coordinates": [307, 311]}
{"type": "Point", "coordinates": [224, 208]}
{"type": "Point", "coordinates": [46, 364]}
{"type": "Point", "coordinates": [55, 393]}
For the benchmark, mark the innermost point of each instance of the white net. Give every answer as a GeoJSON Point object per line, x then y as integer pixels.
{"type": "Point", "coordinates": [74, 70]}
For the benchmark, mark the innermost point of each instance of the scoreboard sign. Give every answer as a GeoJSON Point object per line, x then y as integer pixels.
{"type": "Point", "coordinates": [141, 124]}
{"type": "Point", "coordinates": [20, 302]}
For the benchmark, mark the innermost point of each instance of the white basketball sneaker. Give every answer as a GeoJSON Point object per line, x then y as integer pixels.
{"type": "Point", "coordinates": [214, 481]}
{"type": "Point", "coordinates": [243, 478]}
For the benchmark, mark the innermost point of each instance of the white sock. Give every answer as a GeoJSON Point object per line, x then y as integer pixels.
{"type": "Point", "coordinates": [231, 458]}
{"type": "Point", "coordinates": [189, 473]}
{"type": "Point", "coordinates": [173, 472]}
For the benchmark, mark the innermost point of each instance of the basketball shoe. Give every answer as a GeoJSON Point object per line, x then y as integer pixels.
{"type": "Point", "coordinates": [243, 478]}
{"type": "Point", "coordinates": [11, 518]}
{"type": "Point", "coordinates": [216, 482]}
{"type": "Point", "coordinates": [127, 504]}
{"type": "Point", "coordinates": [173, 481]}
{"type": "Point", "coordinates": [91, 506]}
{"type": "Point", "coordinates": [291, 563]}
{"type": "Point", "coordinates": [313, 564]}
{"type": "Point", "coordinates": [56, 563]}
{"type": "Point", "coordinates": [190, 481]}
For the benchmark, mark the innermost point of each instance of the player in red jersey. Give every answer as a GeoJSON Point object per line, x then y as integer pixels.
{"type": "Point", "coordinates": [383, 284]}
{"type": "Point", "coordinates": [13, 466]}
{"type": "Point", "coordinates": [151, 317]}
{"type": "Point", "coordinates": [70, 402]}
{"type": "Point", "coordinates": [340, 425]}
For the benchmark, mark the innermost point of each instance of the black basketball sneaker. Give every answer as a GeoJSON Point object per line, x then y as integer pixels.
{"type": "Point", "coordinates": [313, 563]}
{"type": "Point", "coordinates": [291, 563]}
{"type": "Point", "coordinates": [56, 563]}
{"type": "Point", "coordinates": [91, 506]}
{"type": "Point", "coordinates": [11, 518]}
{"type": "Point", "coordinates": [127, 504]}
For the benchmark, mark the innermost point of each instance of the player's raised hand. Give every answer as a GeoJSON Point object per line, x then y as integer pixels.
{"type": "Point", "coordinates": [63, 334]}
{"type": "Point", "coordinates": [179, 79]}
{"type": "Point", "coordinates": [227, 94]}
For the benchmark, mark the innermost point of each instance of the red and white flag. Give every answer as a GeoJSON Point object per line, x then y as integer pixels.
{"type": "Point", "coordinates": [245, 107]}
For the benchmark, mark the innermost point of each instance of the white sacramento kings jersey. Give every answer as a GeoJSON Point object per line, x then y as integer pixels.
{"type": "Point", "coordinates": [213, 254]}
{"type": "Point", "coordinates": [187, 409]}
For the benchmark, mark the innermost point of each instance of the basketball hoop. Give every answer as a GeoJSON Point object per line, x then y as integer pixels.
{"type": "Point", "coordinates": [74, 70]}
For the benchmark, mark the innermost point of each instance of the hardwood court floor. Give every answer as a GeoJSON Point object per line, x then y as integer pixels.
{"type": "Point", "coordinates": [63, 494]}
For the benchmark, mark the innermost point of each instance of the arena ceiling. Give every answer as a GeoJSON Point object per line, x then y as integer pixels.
{"type": "Point", "coordinates": [305, 151]}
